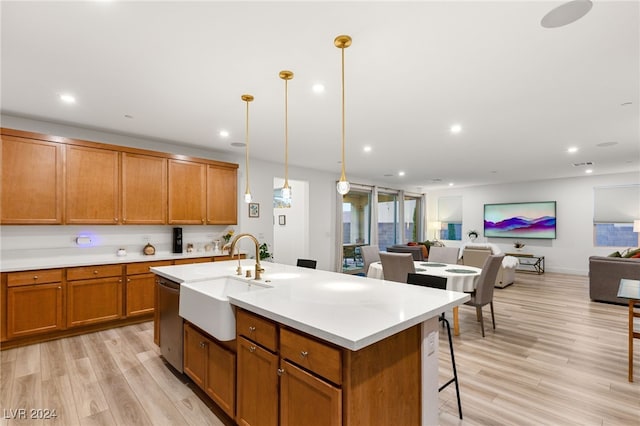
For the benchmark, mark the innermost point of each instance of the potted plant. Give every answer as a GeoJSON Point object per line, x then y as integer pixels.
{"type": "Point", "coordinates": [472, 234]}
{"type": "Point", "coordinates": [518, 245]}
{"type": "Point", "coordinates": [264, 252]}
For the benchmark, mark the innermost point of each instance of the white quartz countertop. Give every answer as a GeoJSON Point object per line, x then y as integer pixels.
{"type": "Point", "coordinates": [349, 311]}
{"type": "Point", "coordinates": [66, 261]}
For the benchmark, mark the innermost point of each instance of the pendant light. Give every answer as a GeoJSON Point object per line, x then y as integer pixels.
{"type": "Point", "coordinates": [286, 189]}
{"type": "Point", "coordinates": [342, 42]}
{"type": "Point", "coordinates": [247, 193]}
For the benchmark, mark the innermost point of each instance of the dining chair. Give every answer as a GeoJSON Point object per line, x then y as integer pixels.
{"type": "Point", "coordinates": [396, 266]}
{"type": "Point", "coordinates": [370, 254]}
{"type": "Point", "coordinates": [307, 263]}
{"type": "Point", "coordinates": [416, 251]}
{"type": "Point", "coordinates": [444, 254]}
{"type": "Point", "coordinates": [483, 294]}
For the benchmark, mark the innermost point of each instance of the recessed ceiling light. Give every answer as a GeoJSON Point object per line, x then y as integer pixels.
{"type": "Point", "coordinates": [128, 116]}
{"type": "Point", "coordinates": [67, 98]}
{"type": "Point", "coordinates": [367, 148]}
{"type": "Point", "coordinates": [566, 13]}
{"type": "Point", "coordinates": [572, 149]}
{"type": "Point", "coordinates": [223, 133]}
{"type": "Point", "coordinates": [238, 144]}
{"type": "Point", "coordinates": [318, 88]}
{"type": "Point", "coordinates": [456, 128]}
{"type": "Point", "coordinates": [588, 171]}
{"type": "Point", "coordinates": [400, 173]}
{"type": "Point", "coordinates": [450, 183]}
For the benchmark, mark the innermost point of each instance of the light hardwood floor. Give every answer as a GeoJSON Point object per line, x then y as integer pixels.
{"type": "Point", "coordinates": [555, 358]}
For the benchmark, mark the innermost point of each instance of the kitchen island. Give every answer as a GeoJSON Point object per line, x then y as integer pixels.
{"type": "Point", "coordinates": [383, 336]}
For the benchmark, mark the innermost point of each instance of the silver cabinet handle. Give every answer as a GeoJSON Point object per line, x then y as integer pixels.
{"type": "Point", "coordinates": [35, 277]}
{"type": "Point", "coordinates": [280, 371]}
{"type": "Point", "coordinates": [304, 354]}
{"type": "Point", "coordinates": [252, 349]}
{"type": "Point", "coordinates": [251, 329]}
{"type": "Point", "coordinates": [202, 344]}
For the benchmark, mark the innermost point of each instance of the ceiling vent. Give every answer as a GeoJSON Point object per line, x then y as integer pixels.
{"type": "Point", "coordinates": [585, 163]}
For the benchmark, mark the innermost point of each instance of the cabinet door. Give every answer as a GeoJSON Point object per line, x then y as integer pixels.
{"type": "Point", "coordinates": [222, 196]}
{"type": "Point", "coordinates": [140, 292]}
{"type": "Point", "coordinates": [93, 301]}
{"type": "Point", "coordinates": [34, 309]}
{"type": "Point", "coordinates": [221, 377]}
{"type": "Point", "coordinates": [187, 192]}
{"type": "Point", "coordinates": [257, 384]}
{"type": "Point", "coordinates": [308, 400]}
{"type": "Point", "coordinates": [195, 355]}
{"type": "Point", "coordinates": [92, 188]}
{"type": "Point", "coordinates": [144, 189]}
{"type": "Point", "coordinates": [31, 181]}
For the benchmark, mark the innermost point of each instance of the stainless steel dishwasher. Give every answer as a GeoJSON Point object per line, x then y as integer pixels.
{"type": "Point", "coordinates": [171, 324]}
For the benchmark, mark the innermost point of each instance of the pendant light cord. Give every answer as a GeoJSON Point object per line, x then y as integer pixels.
{"type": "Point", "coordinates": [343, 177]}
{"type": "Point", "coordinates": [247, 148]}
{"type": "Point", "coordinates": [286, 133]}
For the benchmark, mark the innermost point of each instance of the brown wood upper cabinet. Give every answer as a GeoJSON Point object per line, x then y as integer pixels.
{"type": "Point", "coordinates": [31, 181]}
{"type": "Point", "coordinates": [222, 196]}
{"type": "Point", "coordinates": [92, 185]}
{"type": "Point", "coordinates": [187, 192]}
{"type": "Point", "coordinates": [144, 189]}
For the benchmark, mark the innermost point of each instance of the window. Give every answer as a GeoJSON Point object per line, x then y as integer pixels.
{"type": "Point", "coordinates": [615, 208]}
{"type": "Point", "coordinates": [388, 221]}
{"type": "Point", "coordinates": [450, 218]}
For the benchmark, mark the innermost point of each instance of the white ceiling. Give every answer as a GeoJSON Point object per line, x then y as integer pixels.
{"type": "Point", "coordinates": [522, 93]}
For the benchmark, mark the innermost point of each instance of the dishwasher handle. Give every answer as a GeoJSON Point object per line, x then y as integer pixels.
{"type": "Point", "coordinates": [169, 286]}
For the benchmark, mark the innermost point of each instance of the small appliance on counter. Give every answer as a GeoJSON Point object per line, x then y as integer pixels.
{"type": "Point", "coordinates": [121, 252]}
{"type": "Point", "coordinates": [177, 240]}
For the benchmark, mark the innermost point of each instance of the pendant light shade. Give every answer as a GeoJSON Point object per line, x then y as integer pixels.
{"type": "Point", "coordinates": [286, 189]}
{"type": "Point", "coordinates": [247, 192]}
{"type": "Point", "coordinates": [343, 186]}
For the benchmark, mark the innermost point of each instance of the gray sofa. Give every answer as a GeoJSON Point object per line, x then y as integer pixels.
{"type": "Point", "coordinates": [605, 274]}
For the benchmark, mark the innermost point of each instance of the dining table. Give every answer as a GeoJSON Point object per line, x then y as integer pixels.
{"type": "Point", "coordinates": [461, 278]}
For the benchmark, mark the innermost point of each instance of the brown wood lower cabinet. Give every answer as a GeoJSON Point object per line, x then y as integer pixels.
{"type": "Point", "coordinates": [140, 291]}
{"type": "Point", "coordinates": [307, 400]}
{"type": "Point", "coordinates": [211, 366]}
{"type": "Point", "coordinates": [307, 381]}
{"type": "Point", "coordinates": [34, 302]}
{"type": "Point", "coordinates": [94, 294]}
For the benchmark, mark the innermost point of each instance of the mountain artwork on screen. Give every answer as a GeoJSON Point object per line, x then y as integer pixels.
{"type": "Point", "coordinates": [520, 220]}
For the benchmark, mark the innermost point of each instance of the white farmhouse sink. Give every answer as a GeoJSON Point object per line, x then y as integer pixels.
{"type": "Point", "coordinates": [205, 304]}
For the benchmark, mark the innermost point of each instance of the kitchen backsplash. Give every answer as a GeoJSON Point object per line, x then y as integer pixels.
{"type": "Point", "coordinates": [19, 242]}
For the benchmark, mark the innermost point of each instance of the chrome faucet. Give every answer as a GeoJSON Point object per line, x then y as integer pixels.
{"type": "Point", "coordinates": [259, 269]}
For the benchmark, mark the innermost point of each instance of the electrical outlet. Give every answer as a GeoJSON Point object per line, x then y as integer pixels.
{"type": "Point", "coordinates": [431, 343]}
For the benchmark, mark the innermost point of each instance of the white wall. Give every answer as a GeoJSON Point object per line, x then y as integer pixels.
{"type": "Point", "coordinates": [569, 252]}
{"type": "Point", "coordinates": [291, 240]}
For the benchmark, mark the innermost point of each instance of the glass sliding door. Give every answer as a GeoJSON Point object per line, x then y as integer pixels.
{"type": "Point", "coordinates": [412, 227]}
{"type": "Point", "coordinates": [388, 220]}
{"type": "Point", "coordinates": [356, 223]}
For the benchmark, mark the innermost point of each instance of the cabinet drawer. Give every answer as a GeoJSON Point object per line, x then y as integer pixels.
{"type": "Point", "coordinates": [258, 329]}
{"type": "Point", "coordinates": [87, 272]}
{"type": "Point", "coordinates": [143, 267]}
{"type": "Point", "coordinates": [34, 277]}
{"type": "Point", "coordinates": [315, 356]}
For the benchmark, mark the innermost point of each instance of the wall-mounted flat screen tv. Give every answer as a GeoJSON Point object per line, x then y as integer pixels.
{"type": "Point", "coordinates": [520, 220]}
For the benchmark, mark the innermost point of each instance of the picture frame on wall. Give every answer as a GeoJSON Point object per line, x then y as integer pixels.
{"type": "Point", "coordinates": [254, 210]}
{"type": "Point", "coordinates": [282, 219]}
